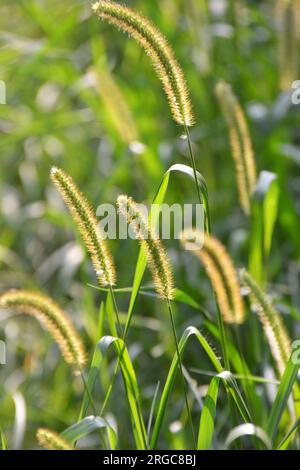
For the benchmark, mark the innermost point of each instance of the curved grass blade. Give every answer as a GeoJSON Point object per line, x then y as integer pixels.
{"type": "Point", "coordinates": [159, 199]}
{"type": "Point", "coordinates": [289, 436]}
{"type": "Point", "coordinates": [264, 210]}
{"type": "Point", "coordinates": [3, 440]}
{"type": "Point", "coordinates": [286, 384]}
{"type": "Point", "coordinates": [248, 429]}
{"type": "Point", "coordinates": [130, 384]}
{"type": "Point", "coordinates": [190, 331]}
{"type": "Point", "coordinates": [87, 426]}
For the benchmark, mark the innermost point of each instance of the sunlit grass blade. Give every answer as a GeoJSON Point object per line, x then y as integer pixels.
{"type": "Point", "coordinates": [130, 385]}
{"type": "Point", "coordinates": [289, 436]}
{"type": "Point", "coordinates": [159, 199]}
{"type": "Point", "coordinates": [208, 414]}
{"type": "Point", "coordinates": [191, 331]}
{"type": "Point", "coordinates": [285, 388]}
{"type": "Point", "coordinates": [87, 426]}
{"type": "Point", "coordinates": [264, 211]}
{"type": "Point", "coordinates": [248, 429]}
{"type": "Point", "coordinates": [3, 440]}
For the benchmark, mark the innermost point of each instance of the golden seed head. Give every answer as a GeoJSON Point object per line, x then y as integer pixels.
{"type": "Point", "coordinates": [159, 51]}
{"type": "Point", "coordinates": [240, 141]}
{"type": "Point", "coordinates": [156, 255]}
{"type": "Point", "coordinates": [52, 317]}
{"type": "Point", "coordinates": [86, 221]}
{"type": "Point", "coordinates": [275, 331]}
{"type": "Point", "coordinates": [222, 274]}
{"type": "Point", "coordinates": [51, 440]}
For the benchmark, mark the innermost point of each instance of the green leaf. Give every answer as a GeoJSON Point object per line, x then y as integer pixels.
{"type": "Point", "coordinates": [248, 429]}
{"type": "Point", "coordinates": [286, 384]}
{"type": "Point", "coordinates": [87, 426]}
{"type": "Point", "coordinates": [190, 331]}
{"type": "Point", "coordinates": [264, 210]}
{"type": "Point", "coordinates": [3, 440]}
{"type": "Point", "coordinates": [159, 199]}
{"type": "Point", "coordinates": [289, 436]}
{"type": "Point", "coordinates": [130, 384]}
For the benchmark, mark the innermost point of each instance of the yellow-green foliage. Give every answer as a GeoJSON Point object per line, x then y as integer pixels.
{"type": "Point", "coordinates": [52, 317]}
{"type": "Point", "coordinates": [88, 227]}
{"type": "Point", "coordinates": [159, 51]}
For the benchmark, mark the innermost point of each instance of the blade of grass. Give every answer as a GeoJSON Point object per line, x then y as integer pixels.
{"type": "Point", "coordinates": [207, 419]}
{"type": "Point", "coordinates": [130, 384]}
{"type": "Point", "coordinates": [87, 426]}
{"type": "Point", "coordinates": [190, 331]}
{"type": "Point", "coordinates": [248, 429]}
{"type": "Point", "coordinates": [286, 384]}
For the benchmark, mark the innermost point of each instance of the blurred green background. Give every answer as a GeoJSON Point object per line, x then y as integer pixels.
{"type": "Point", "coordinates": [82, 96]}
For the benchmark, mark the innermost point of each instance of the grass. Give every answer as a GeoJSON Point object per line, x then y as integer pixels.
{"type": "Point", "coordinates": [70, 80]}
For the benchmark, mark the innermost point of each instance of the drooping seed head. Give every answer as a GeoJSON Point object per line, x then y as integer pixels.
{"type": "Point", "coordinates": [86, 221]}
{"type": "Point", "coordinates": [156, 255]}
{"type": "Point", "coordinates": [240, 141]}
{"type": "Point", "coordinates": [51, 440]}
{"type": "Point", "coordinates": [275, 331]}
{"type": "Point", "coordinates": [52, 317]}
{"type": "Point", "coordinates": [159, 51]}
{"type": "Point", "coordinates": [222, 274]}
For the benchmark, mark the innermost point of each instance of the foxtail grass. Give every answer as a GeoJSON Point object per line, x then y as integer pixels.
{"type": "Point", "coordinates": [160, 268]}
{"type": "Point", "coordinates": [163, 58]}
{"type": "Point", "coordinates": [287, 17]}
{"type": "Point", "coordinates": [274, 328]}
{"type": "Point", "coordinates": [53, 318]}
{"type": "Point", "coordinates": [86, 222]}
{"type": "Point", "coordinates": [240, 141]}
{"type": "Point", "coordinates": [159, 51]}
{"type": "Point", "coordinates": [51, 440]}
{"type": "Point", "coordinates": [156, 254]}
{"type": "Point", "coordinates": [222, 274]}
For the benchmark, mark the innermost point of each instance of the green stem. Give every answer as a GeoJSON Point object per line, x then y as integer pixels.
{"type": "Point", "coordinates": [181, 373]}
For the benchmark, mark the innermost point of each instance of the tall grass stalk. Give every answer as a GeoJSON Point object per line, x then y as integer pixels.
{"type": "Point", "coordinates": [160, 268]}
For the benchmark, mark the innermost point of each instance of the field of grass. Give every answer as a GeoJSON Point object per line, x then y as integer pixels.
{"type": "Point", "coordinates": [188, 349]}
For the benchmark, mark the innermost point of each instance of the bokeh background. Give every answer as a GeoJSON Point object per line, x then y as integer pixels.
{"type": "Point", "coordinates": [82, 96]}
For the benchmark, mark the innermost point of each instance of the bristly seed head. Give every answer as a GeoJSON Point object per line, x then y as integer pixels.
{"type": "Point", "coordinates": [52, 317]}
{"type": "Point", "coordinates": [275, 331]}
{"type": "Point", "coordinates": [240, 140]}
{"type": "Point", "coordinates": [159, 51]}
{"type": "Point", "coordinates": [157, 257]}
{"type": "Point", "coordinates": [220, 269]}
{"type": "Point", "coordinates": [51, 440]}
{"type": "Point", "coordinates": [87, 224]}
